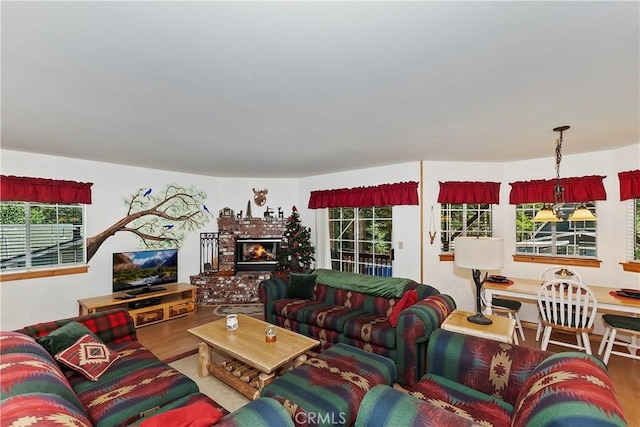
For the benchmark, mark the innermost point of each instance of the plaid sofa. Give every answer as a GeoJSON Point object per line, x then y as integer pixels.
{"type": "Point", "coordinates": [336, 315]}
{"type": "Point", "coordinates": [138, 386]}
{"type": "Point", "coordinates": [475, 381]}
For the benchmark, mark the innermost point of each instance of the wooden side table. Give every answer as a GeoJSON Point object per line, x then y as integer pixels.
{"type": "Point", "coordinates": [501, 329]}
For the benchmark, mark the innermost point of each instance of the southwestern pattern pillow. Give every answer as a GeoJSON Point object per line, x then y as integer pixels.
{"type": "Point", "coordinates": [64, 337]}
{"type": "Point", "coordinates": [89, 356]}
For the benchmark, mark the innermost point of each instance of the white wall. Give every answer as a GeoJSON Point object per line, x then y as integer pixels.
{"type": "Point", "coordinates": [28, 301]}
{"type": "Point", "coordinates": [24, 302]}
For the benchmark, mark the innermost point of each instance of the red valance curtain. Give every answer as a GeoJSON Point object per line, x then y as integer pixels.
{"type": "Point", "coordinates": [629, 184]}
{"type": "Point", "coordinates": [401, 193]}
{"type": "Point", "coordinates": [458, 192]}
{"type": "Point", "coordinates": [576, 189]}
{"type": "Point", "coordinates": [25, 189]}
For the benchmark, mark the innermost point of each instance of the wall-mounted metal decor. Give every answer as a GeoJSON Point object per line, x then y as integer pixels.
{"type": "Point", "coordinates": [209, 259]}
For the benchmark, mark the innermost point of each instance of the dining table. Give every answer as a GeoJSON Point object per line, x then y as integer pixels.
{"type": "Point", "coordinates": [527, 290]}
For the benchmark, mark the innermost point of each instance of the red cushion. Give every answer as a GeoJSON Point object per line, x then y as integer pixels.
{"type": "Point", "coordinates": [89, 356]}
{"type": "Point", "coordinates": [408, 299]}
{"type": "Point", "coordinates": [199, 414]}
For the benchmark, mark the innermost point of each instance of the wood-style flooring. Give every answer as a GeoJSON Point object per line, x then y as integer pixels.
{"type": "Point", "coordinates": [170, 341]}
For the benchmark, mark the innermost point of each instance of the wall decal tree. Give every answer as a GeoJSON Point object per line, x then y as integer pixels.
{"type": "Point", "coordinates": [161, 219]}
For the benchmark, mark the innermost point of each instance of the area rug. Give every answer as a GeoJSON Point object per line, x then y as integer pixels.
{"type": "Point", "coordinates": [254, 310]}
{"type": "Point", "coordinates": [211, 386]}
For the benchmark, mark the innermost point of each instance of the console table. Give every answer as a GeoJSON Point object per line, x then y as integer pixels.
{"type": "Point", "coordinates": [176, 300]}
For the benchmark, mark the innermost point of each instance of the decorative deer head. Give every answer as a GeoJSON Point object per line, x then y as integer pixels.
{"type": "Point", "coordinates": [260, 196]}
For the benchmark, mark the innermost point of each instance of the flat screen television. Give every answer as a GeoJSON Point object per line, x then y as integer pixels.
{"type": "Point", "coordinates": [140, 271]}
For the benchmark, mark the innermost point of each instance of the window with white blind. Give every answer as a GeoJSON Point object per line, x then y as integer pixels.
{"type": "Point", "coordinates": [361, 240]}
{"type": "Point", "coordinates": [41, 235]}
{"type": "Point", "coordinates": [575, 239]}
{"type": "Point", "coordinates": [633, 233]}
{"type": "Point", "coordinates": [462, 220]}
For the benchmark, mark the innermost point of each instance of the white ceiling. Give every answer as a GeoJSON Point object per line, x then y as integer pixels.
{"type": "Point", "coordinates": [293, 89]}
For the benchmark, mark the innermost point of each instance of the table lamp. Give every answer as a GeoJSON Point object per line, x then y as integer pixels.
{"type": "Point", "coordinates": [478, 253]}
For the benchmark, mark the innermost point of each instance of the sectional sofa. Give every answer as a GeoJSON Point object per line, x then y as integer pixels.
{"type": "Point", "coordinates": [135, 387]}
{"type": "Point", "coordinates": [371, 313]}
{"type": "Point", "coordinates": [475, 381]}
{"type": "Point", "coordinates": [469, 382]}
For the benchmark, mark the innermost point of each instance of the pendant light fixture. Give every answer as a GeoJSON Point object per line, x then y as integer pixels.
{"type": "Point", "coordinates": [551, 213]}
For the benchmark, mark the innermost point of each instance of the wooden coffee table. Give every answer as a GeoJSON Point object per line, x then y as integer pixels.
{"type": "Point", "coordinates": [252, 362]}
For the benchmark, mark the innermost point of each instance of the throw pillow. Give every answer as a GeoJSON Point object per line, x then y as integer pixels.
{"type": "Point", "coordinates": [64, 337]}
{"type": "Point", "coordinates": [301, 285]}
{"type": "Point", "coordinates": [199, 414]}
{"type": "Point", "coordinates": [89, 356]}
{"type": "Point", "coordinates": [408, 299]}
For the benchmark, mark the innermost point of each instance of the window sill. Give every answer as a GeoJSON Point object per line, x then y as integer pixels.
{"type": "Point", "coordinates": [581, 262]}
{"type": "Point", "coordinates": [6, 277]}
{"type": "Point", "coordinates": [559, 260]}
{"type": "Point", "coordinates": [634, 267]}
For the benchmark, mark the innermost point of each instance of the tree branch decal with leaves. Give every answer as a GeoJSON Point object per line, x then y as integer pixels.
{"type": "Point", "coordinates": [160, 219]}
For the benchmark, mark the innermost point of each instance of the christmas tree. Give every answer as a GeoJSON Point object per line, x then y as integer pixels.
{"type": "Point", "coordinates": [296, 252]}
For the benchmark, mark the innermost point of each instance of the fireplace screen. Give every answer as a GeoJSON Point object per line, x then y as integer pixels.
{"type": "Point", "coordinates": [257, 254]}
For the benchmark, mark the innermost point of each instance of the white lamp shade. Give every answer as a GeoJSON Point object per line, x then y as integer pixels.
{"type": "Point", "coordinates": [481, 253]}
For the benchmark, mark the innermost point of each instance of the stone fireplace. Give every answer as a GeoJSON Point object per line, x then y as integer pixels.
{"type": "Point", "coordinates": [247, 255]}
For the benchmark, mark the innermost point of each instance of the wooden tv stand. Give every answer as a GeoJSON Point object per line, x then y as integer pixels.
{"type": "Point", "coordinates": [177, 300]}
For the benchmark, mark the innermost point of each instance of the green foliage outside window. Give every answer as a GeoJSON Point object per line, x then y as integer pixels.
{"type": "Point", "coordinates": [464, 220]}
{"type": "Point", "coordinates": [40, 235]}
{"type": "Point", "coordinates": [576, 239]}
{"type": "Point", "coordinates": [361, 239]}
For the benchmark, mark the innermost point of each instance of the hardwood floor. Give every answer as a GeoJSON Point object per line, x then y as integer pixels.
{"type": "Point", "coordinates": [170, 340]}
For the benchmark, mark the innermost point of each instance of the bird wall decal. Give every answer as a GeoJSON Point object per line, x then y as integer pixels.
{"type": "Point", "coordinates": [146, 193]}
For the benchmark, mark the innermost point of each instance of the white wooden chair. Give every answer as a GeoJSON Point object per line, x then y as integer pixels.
{"type": "Point", "coordinates": [508, 307]}
{"type": "Point", "coordinates": [626, 326]}
{"type": "Point", "coordinates": [567, 306]}
{"type": "Point", "coordinates": [556, 272]}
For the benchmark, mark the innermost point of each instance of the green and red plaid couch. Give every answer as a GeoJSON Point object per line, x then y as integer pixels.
{"type": "Point", "coordinates": [36, 390]}
{"type": "Point", "coordinates": [475, 381]}
{"type": "Point", "coordinates": [339, 313]}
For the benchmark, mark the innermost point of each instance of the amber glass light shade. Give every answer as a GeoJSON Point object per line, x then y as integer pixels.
{"type": "Point", "coordinates": [582, 214]}
{"type": "Point", "coordinates": [546, 214]}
